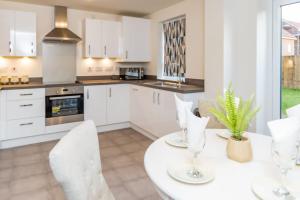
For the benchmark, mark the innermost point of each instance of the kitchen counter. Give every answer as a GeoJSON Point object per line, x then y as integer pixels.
{"type": "Point", "coordinates": [146, 83]}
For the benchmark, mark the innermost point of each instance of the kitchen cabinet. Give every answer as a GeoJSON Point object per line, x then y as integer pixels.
{"type": "Point", "coordinates": [93, 37]}
{"type": "Point", "coordinates": [102, 38]}
{"type": "Point", "coordinates": [22, 113]}
{"type": "Point", "coordinates": [95, 104]}
{"type": "Point", "coordinates": [111, 38]}
{"type": "Point", "coordinates": [117, 104]}
{"type": "Point", "coordinates": [18, 33]}
{"type": "Point", "coordinates": [25, 34]}
{"type": "Point", "coordinates": [7, 37]}
{"type": "Point", "coordinates": [135, 39]}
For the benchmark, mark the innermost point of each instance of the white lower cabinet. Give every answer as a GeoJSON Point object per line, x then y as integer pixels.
{"type": "Point", "coordinates": [117, 104]}
{"type": "Point", "coordinates": [22, 113]}
{"type": "Point", "coordinates": [153, 110]}
{"type": "Point", "coordinates": [95, 104]}
{"type": "Point", "coordinates": [24, 128]}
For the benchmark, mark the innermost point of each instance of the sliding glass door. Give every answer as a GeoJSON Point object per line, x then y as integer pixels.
{"type": "Point", "coordinates": [286, 56]}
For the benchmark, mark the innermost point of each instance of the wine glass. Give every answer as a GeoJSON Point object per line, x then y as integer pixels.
{"type": "Point", "coordinates": [284, 155]}
{"type": "Point", "coordinates": [196, 147]}
{"type": "Point", "coordinates": [183, 125]}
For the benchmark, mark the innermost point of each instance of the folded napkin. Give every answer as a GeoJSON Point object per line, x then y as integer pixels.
{"type": "Point", "coordinates": [285, 130]}
{"type": "Point", "coordinates": [195, 129]}
{"type": "Point", "coordinates": [181, 106]}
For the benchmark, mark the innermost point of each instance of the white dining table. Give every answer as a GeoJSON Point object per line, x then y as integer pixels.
{"type": "Point", "coordinates": [233, 180]}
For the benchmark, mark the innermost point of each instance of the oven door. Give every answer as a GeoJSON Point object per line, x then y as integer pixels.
{"type": "Point", "coordinates": [64, 109]}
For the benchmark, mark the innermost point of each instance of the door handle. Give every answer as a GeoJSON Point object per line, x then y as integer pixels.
{"type": "Point", "coordinates": [126, 54]}
{"type": "Point", "coordinates": [158, 98]}
{"type": "Point", "coordinates": [27, 124]}
{"type": "Point", "coordinates": [110, 92]}
{"type": "Point", "coordinates": [153, 97]}
{"type": "Point", "coordinates": [26, 105]}
{"type": "Point", "coordinates": [28, 94]}
{"type": "Point", "coordinates": [89, 50]}
{"type": "Point", "coordinates": [105, 50]}
{"type": "Point", "coordinates": [88, 94]}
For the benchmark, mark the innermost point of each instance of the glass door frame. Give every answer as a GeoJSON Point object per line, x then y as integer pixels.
{"type": "Point", "coordinates": [277, 55]}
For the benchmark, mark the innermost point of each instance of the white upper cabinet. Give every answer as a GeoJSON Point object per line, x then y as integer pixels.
{"type": "Point", "coordinates": [111, 38]}
{"type": "Point", "coordinates": [7, 37]}
{"type": "Point", "coordinates": [102, 38]}
{"type": "Point", "coordinates": [135, 39]}
{"type": "Point", "coordinates": [93, 36]}
{"type": "Point", "coordinates": [17, 33]}
{"type": "Point", "coordinates": [25, 34]}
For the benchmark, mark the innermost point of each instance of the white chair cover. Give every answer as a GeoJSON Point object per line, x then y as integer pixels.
{"type": "Point", "coordinates": [75, 162]}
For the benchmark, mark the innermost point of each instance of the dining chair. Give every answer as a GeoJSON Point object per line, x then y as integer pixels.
{"type": "Point", "coordinates": [76, 165]}
{"type": "Point", "coordinates": [203, 108]}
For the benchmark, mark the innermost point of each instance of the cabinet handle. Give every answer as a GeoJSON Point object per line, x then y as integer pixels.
{"type": "Point", "coordinates": [153, 98]}
{"type": "Point", "coordinates": [88, 94]}
{"type": "Point", "coordinates": [27, 124]}
{"type": "Point", "coordinates": [105, 50]}
{"type": "Point", "coordinates": [110, 92]}
{"type": "Point", "coordinates": [89, 50]}
{"type": "Point", "coordinates": [126, 54]}
{"type": "Point", "coordinates": [9, 43]}
{"type": "Point", "coordinates": [135, 89]}
{"type": "Point", "coordinates": [32, 51]}
{"type": "Point", "coordinates": [26, 105]}
{"type": "Point", "coordinates": [158, 98]}
{"type": "Point", "coordinates": [28, 94]}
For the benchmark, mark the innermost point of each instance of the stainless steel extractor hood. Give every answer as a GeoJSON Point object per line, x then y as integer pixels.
{"type": "Point", "coordinates": [61, 33]}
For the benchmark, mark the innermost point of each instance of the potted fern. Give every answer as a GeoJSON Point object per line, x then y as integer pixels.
{"type": "Point", "coordinates": [236, 114]}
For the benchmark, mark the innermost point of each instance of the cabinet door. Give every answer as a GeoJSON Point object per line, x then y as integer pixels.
{"type": "Point", "coordinates": [93, 38]}
{"type": "Point", "coordinates": [135, 104]}
{"type": "Point", "coordinates": [136, 39]}
{"type": "Point", "coordinates": [7, 32]}
{"type": "Point", "coordinates": [117, 104]}
{"type": "Point", "coordinates": [95, 104]}
{"type": "Point", "coordinates": [111, 38]}
{"type": "Point", "coordinates": [25, 34]}
{"type": "Point", "coordinates": [167, 122]}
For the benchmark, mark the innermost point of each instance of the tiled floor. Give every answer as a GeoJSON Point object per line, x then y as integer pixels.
{"type": "Point", "coordinates": [25, 173]}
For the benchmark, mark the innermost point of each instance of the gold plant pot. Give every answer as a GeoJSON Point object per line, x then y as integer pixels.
{"type": "Point", "coordinates": [239, 150]}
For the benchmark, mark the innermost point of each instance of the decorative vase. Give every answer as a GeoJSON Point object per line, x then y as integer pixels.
{"type": "Point", "coordinates": [239, 150]}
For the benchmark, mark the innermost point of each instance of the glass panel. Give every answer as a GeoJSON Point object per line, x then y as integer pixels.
{"type": "Point", "coordinates": [63, 107]}
{"type": "Point", "coordinates": [290, 49]}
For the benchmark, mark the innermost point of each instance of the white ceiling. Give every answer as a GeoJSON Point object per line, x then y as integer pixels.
{"type": "Point", "coordinates": [125, 7]}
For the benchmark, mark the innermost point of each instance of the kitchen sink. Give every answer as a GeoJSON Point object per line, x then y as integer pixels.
{"type": "Point", "coordinates": [166, 84]}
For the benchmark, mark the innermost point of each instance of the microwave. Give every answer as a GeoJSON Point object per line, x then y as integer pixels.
{"type": "Point", "coordinates": [132, 73]}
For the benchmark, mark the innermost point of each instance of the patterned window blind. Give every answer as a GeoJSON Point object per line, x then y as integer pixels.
{"type": "Point", "coordinates": [174, 47]}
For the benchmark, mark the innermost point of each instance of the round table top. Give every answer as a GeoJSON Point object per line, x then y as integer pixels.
{"type": "Point", "coordinates": [232, 179]}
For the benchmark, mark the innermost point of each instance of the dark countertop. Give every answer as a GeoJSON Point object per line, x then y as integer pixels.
{"type": "Point", "coordinates": [185, 90]}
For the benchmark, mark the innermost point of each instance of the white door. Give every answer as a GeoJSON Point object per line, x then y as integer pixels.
{"type": "Point", "coordinates": [150, 110]}
{"type": "Point", "coordinates": [95, 104]}
{"type": "Point", "coordinates": [111, 38]}
{"type": "Point", "coordinates": [25, 34]}
{"type": "Point", "coordinates": [7, 32]}
{"type": "Point", "coordinates": [93, 38]}
{"type": "Point", "coordinates": [136, 39]}
{"type": "Point", "coordinates": [117, 104]}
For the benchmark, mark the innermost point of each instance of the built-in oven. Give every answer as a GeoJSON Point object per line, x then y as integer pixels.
{"type": "Point", "coordinates": [64, 105]}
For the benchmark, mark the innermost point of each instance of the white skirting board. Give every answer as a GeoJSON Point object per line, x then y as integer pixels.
{"type": "Point", "coordinates": [56, 132]}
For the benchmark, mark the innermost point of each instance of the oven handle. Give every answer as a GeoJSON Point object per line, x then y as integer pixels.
{"type": "Point", "coordinates": [65, 97]}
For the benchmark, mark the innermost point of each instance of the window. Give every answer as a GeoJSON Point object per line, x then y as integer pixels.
{"type": "Point", "coordinates": [174, 48]}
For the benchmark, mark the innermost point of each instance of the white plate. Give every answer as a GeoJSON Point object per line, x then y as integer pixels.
{"type": "Point", "coordinates": [175, 139]}
{"type": "Point", "coordinates": [263, 189]}
{"type": "Point", "coordinates": [224, 134]}
{"type": "Point", "coordinates": [180, 173]}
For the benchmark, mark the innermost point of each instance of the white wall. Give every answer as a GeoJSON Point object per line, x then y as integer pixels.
{"type": "Point", "coordinates": [245, 48]}
{"type": "Point", "coordinates": [45, 23]}
{"type": "Point", "coordinates": [194, 11]}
